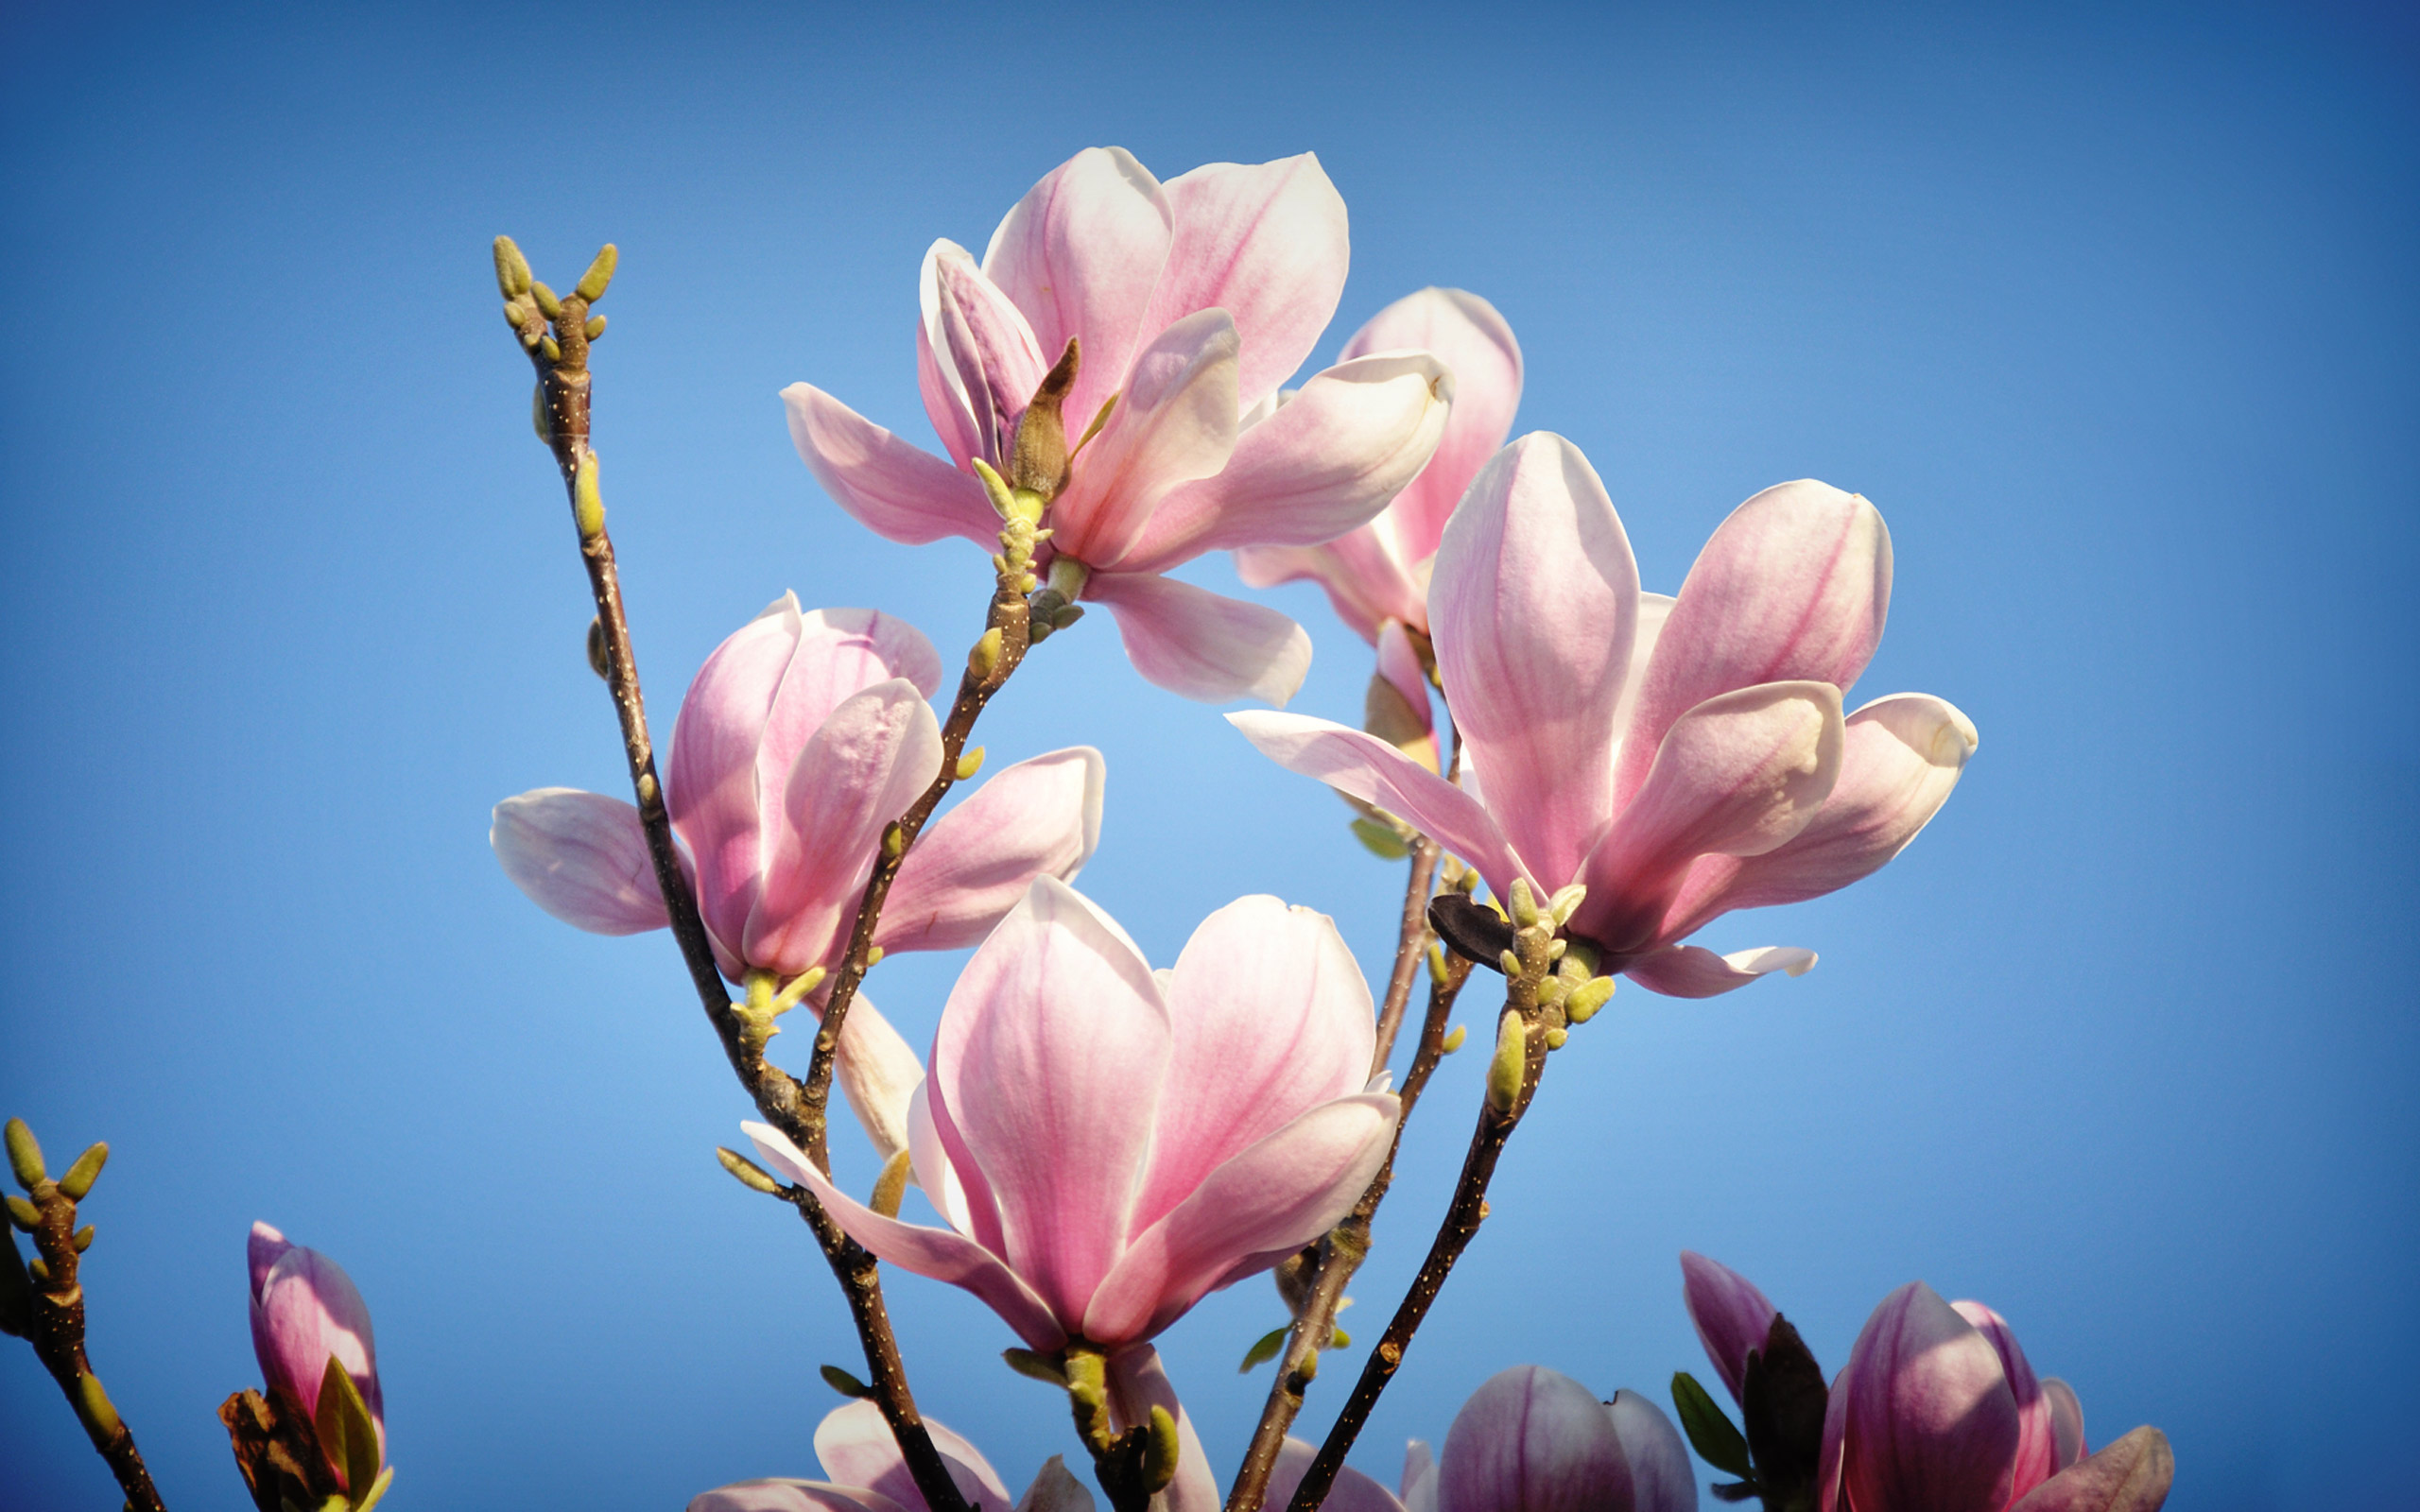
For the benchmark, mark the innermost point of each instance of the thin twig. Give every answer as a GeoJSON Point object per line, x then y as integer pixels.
{"type": "Point", "coordinates": [1411, 943]}
{"type": "Point", "coordinates": [1499, 1114]}
{"type": "Point", "coordinates": [561, 358]}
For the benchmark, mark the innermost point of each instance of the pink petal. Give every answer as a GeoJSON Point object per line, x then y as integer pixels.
{"type": "Point", "coordinates": [937, 1253]}
{"type": "Point", "coordinates": [1463, 331]}
{"type": "Point", "coordinates": [841, 652]}
{"type": "Point", "coordinates": [1266, 242]}
{"type": "Point", "coordinates": [1731, 1315]}
{"type": "Point", "coordinates": [1793, 588]}
{"type": "Point", "coordinates": [1692, 971]}
{"type": "Point", "coordinates": [1137, 1384]}
{"type": "Point", "coordinates": [1079, 254]}
{"type": "Point", "coordinates": [1275, 1197]}
{"type": "Point", "coordinates": [1053, 1489]}
{"type": "Point", "coordinates": [952, 420]}
{"type": "Point", "coordinates": [261, 1250]}
{"type": "Point", "coordinates": [878, 1073]}
{"type": "Point", "coordinates": [1175, 422]}
{"type": "Point", "coordinates": [581, 857]}
{"type": "Point", "coordinates": [1400, 665]}
{"type": "Point", "coordinates": [2131, 1475]}
{"type": "Point", "coordinates": [1204, 646]}
{"type": "Point", "coordinates": [1362, 765]}
{"type": "Point", "coordinates": [718, 769]}
{"type": "Point", "coordinates": [892, 489]}
{"type": "Point", "coordinates": [1654, 610]}
{"type": "Point", "coordinates": [1530, 1440]}
{"type": "Point", "coordinates": [308, 1312]}
{"type": "Point", "coordinates": [1533, 608]}
{"type": "Point", "coordinates": [1046, 1079]}
{"type": "Point", "coordinates": [1352, 1492]}
{"type": "Point", "coordinates": [984, 355]}
{"type": "Point", "coordinates": [2067, 1421]}
{"type": "Point", "coordinates": [1271, 1017]}
{"type": "Point", "coordinates": [1365, 577]}
{"type": "Point", "coordinates": [929, 1164]}
{"type": "Point", "coordinates": [1661, 1476]}
{"type": "Point", "coordinates": [866, 764]}
{"type": "Point", "coordinates": [794, 1496]}
{"type": "Point", "coordinates": [1737, 775]}
{"type": "Point", "coordinates": [1324, 463]}
{"type": "Point", "coordinates": [1926, 1420]}
{"type": "Point", "coordinates": [1419, 1477]}
{"type": "Point", "coordinates": [857, 1447]}
{"type": "Point", "coordinates": [1038, 817]}
{"type": "Point", "coordinates": [2037, 1450]}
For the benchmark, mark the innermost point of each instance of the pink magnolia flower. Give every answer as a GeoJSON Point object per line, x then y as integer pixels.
{"type": "Point", "coordinates": [304, 1311]}
{"type": "Point", "coordinates": [1681, 758]}
{"type": "Point", "coordinates": [804, 735]}
{"type": "Point", "coordinates": [868, 1474]}
{"type": "Point", "coordinates": [1190, 301]}
{"type": "Point", "coordinates": [1380, 571]}
{"type": "Point", "coordinates": [1109, 1143]}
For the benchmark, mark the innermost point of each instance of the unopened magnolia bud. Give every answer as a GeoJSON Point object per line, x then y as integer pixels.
{"type": "Point", "coordinates": [600, 272]}
{"type": "Point", "coordinates": [889, 1187]}
{"type": "Point", "coordinates": [511, 268]}
{"type": "Point", "coordinates": [970, 763]}
{"type": "Point", "coordinates": [843, 1383]}
{"type": "Point", "coordinates": [83, 1238]}
{"type": "Point", "coordinates": [1453, 1038]}
{"type": "Point", "coordinates": [548, 305]}
{"type": "Point", "coordinates": [751, 1175]}
{"type": "Point", "coordinates": [1038, 456]}
{"type": "Point", "coordinates": [1525, 903]}
{"type": "Point", "coordinates": [1587, 998]}
{"type": "Point", "coordinates": [1566, 901]}
{"type": "Point", "coordinates": [1160, 1454]}
{"type": "Point", "coordinates": [985, 658]}
{"type": "Point", "coordinates": [592, 327]}
{"type": "Point", "coordinates": [1037, 1366]}
{"type": "Point", "coordinates": [1511, 1066]}
{"type": "Point", "coordinates": [25, 1155]}
{"type": "Point", "coordinates": [587, 504]}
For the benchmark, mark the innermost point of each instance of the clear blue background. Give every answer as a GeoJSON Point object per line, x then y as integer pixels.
{"type": "Point", "coordinates": [2111, 312]}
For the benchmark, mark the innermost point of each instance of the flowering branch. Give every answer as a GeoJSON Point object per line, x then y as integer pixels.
{"type": "Point", "coordinates": [47, 1306]}
{"type": "Point", "coordinates": [556, 332]}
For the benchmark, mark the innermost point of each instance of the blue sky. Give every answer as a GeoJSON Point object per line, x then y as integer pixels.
{"type": "Point", "coordinates": [2109, 311]}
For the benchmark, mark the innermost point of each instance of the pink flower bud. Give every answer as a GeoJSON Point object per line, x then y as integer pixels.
{"type": "Point", "coordinates": [304, 1310]}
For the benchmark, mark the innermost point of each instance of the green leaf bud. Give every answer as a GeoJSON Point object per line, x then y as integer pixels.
{"type": "Point", "coordinates": [1525, 905]}
{"type": "Point", "coordinates": [548, 305]}
{"type": "Point", "coordinates": [23, 1213]}
{"type": "Point", "coordinates": [1511, 960]}
{"type": "Point", "coordinates": [1587, 998]}
{"type": "Point", "coordinates": [748, 1173]}
{"type": "Point", "coordinates": [1711, 1432]}
{"type": "Point", "coordinates": [83, 1239]}
{"type": "Point", "coordinates": [843, 1383]}
{"type": "Point", "coordinates": [984, 659]}
{"type": "Point", "coordinates": [1566, 901]}
{"type": "Point", "coordinates": [539, 420]}
{"type": "Point", "coordinates": [1036, 1366]}
{"type": "Point", "coordinates": [587, 503]}
{"type": "Point", "coordinates": [600, 272]}
{"type": "Point", "coordinates": [1511, 1066]}
{"type": "Point", "coordinates": [99, 1414]}
{"type": "Point", "coordinates": [970, 763]}
{"type": "Point", "coordinates": [1160, 1454]}
{"type": "Point", "coordinates": [25, 1155]}
{"type": "Point", "coordinates": [1380, 840]}
{"type": "Point", "coordinates": [511, 268]}
{"type": "Point", "coordinates": [1453, 1038]}
{"type": "Point", "coordinates": [1262, 1350]}
{"type": "Point", "coordinates": [551, 348]}
{"type": "Point", "coordinates": [889, 1187]}
{"type": "Point", "coordinates": [592, 327]}
{"type": "Point", "coordinates": [600, 661]}
{"type": "Point", "coordinates": [1555, 1038]}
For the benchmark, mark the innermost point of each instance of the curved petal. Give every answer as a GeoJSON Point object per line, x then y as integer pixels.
{"type": "Point", "coordinates": [2037, 1449]}
{"type": "Point", "coordinates": [1271, 1017]}
{"type": "Point", "coordinates": [795, 1496]}
{"type": "Point", "coordinates": [2131, 1475]}
{"type": "Point", "coordinates": [1693, 972]}
{"type": "Point", "coordinates": [857, 1447]}
{"type": "Point", "coordinates": [2067, 1420]}
{"type": "Point", "coordinates": [985, 354]}
{"type": "Point", "coordinates": [1924, 1418]}
{"type": "Point", "coordinates": [1079, 254]}
{"type": "Point", "coordinates": [1793, 587]}
{"type": "Point", "coordinates": [581, 857]}
{"type": "Point", "coordinates": [878, 1072]}
{"type": "Point", "coordinates": [1731, 1315]}
{"type": "Point", "coordinates": [864, 766]}
{"type": "Point", "coordinates": [1533, 608]}
{"type": "Point", "coordinates": [898, 491]}
{"type": "Point", "coordinates": [1137, 1384]}
{"type": "Point", "coordinates": [952, 420]}
{"type": "Point", "coordinates": [1175, 422]}
{"type": "Point", "coordinates": [717, 781]}
{"type": "Point", "coordinates": [1352, 1491]}
{"type": "Point", "coordinates": [1400, 688]}
{"type": "Point", "coordinates": [1046, 1079]}
{"type": "Point", "coordinates": [1366, 767]}
{"type": "Point", "coordinates": [1364, 576]}
{"type": "Point", "coordinates": [1419, 1481]}
{"type": "Point", "coordinates": [1204, 646]}
{"type": "Point", "coordinates": [1039, 818]}
{"type": "Point", "coordinates": [1265, 242]}
{"type": "Point", "coordinates": [1477, 345]}
{"type": "Point", "coordinates": [936, 1253]}
{"type": "Point", "coordinates": [1737, 775]}
{"type": "Point", "coordinates": [929, 1165]}
{"type": "Point", "coordinates": [1277, 1196]}
{"type": "Point", "coordinates": [1661, 1477]}
{"type": "Point", "coordinates": [1324, 464]}
{"type": "Point", "coordinates": [1532, 1440]}
{"type": "Point", "coordinates": [1654, 609]}
{"type": "Point", "coordinates": [841, 652]}
{"type": "Point", "coordinates": [262, 1248]}
{"type": "Point", "coordinates": [1053, 1489]}
{"type": "Point", "coordinates": [308, 1312]}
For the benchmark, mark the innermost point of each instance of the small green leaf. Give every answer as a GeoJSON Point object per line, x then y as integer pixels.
{"type": "Point", "coordinates": [1711, 1432]}
{"type": "Point", "coordinates": [1036, 1366]}
{"type": "Point", "coordinates": [377, 1489]}
{"type": "Point", "coordinates": [1381, 840]}
{"type": "Point", "coordinates": [843, 1383]}
{"type": "Point", "coordinates": [346, 1432]}
{"type": "Point", "coordinates": [1263, 1351]}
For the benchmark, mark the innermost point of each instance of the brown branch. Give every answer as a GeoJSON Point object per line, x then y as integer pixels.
{"type": "Point", "coordinates": [46, 1303]}
{"type": "Point", "coordinates": [1523, 1029]}
{"type": "Point", "coordinates": [1411, 943]}
{"type": "Point", "coordinates": [556, 333]}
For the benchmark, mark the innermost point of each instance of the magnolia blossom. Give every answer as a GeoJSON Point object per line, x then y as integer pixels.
{"type": "Point", "coordinates": [305, 1312]}
{"type": "Point", "coordinates": [1379, 571]}
{"type": "Point", "coordinates": [1938, 1410]}
{"type": "Point", "coordinates": [1681, 758]}
{"type": "Point", "coordinates": [868, 1474]}
{"type": "Point", "coordinates": [804, 735]}
{"type": "Point", "coordinates": [1109, 1143]}
{"type": "Point", "coordinates": [1185, 305]}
